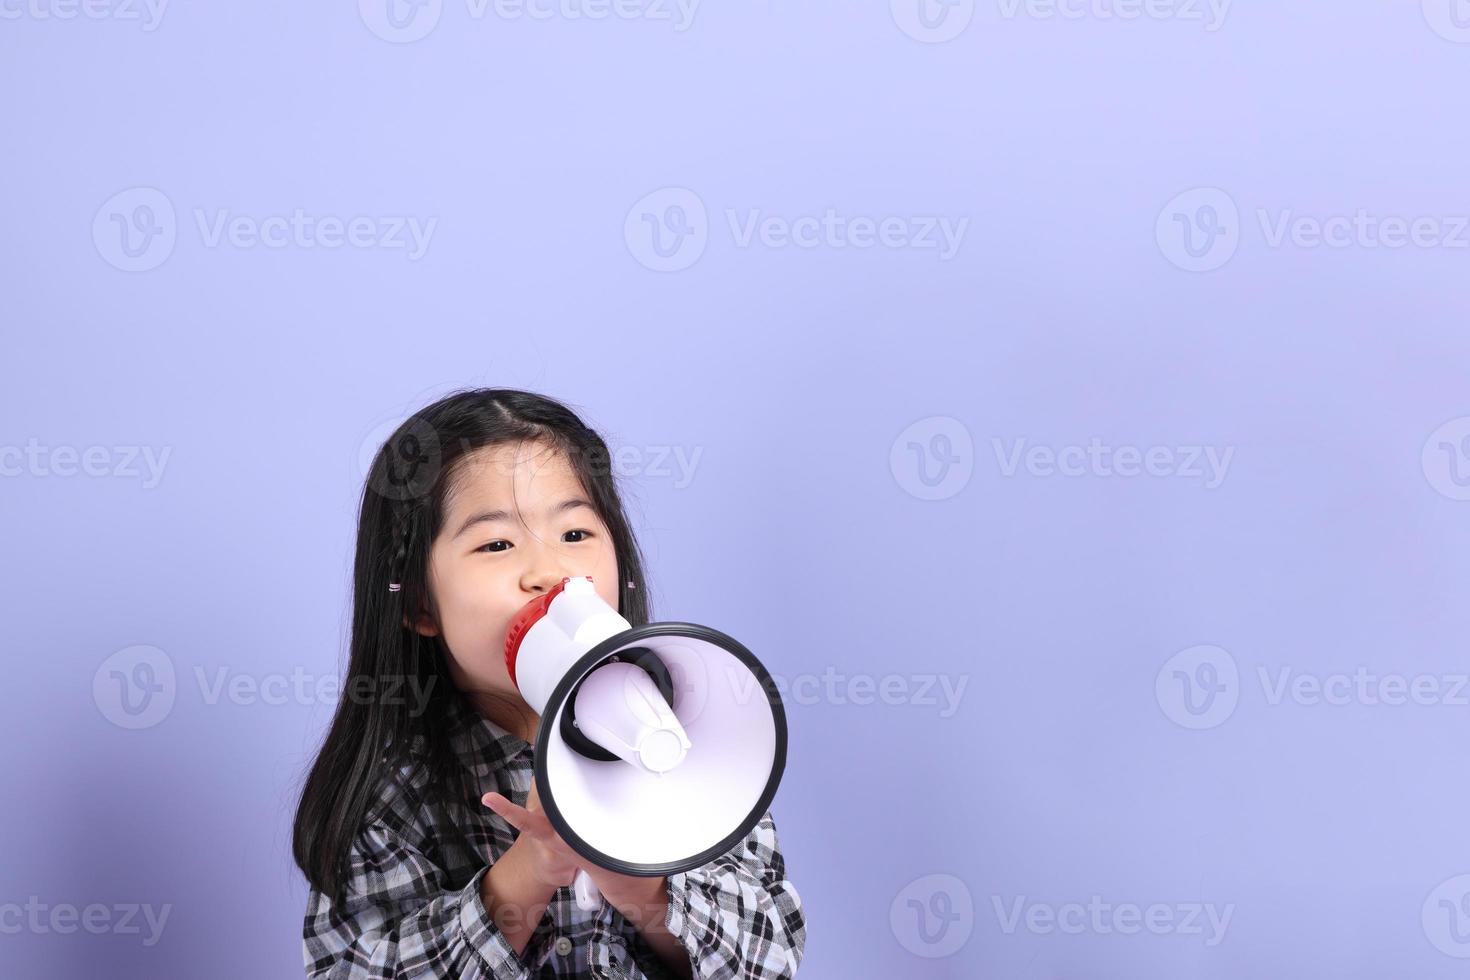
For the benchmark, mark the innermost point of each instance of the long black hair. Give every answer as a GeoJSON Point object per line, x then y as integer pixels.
{"type": "Point", "coordinates": [401, 513]}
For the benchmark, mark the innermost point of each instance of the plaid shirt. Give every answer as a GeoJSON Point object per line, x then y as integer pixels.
{"type": "Point", "coordinates": [413, 909]}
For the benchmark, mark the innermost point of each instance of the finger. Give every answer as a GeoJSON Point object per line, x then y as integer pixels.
{"type": "Point", "coordinates": [516, 816]}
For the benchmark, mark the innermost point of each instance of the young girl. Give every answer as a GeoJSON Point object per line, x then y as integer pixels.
{"type": "Point", "coordinates": [419, 828]}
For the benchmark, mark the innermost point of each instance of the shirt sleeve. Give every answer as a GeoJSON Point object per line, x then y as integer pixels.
{"type": "Point", "coordinates": [397, 920]}
{"type": "Point", "coordinates": [738, 916]}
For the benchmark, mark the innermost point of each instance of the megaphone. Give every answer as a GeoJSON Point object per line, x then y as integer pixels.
{"type": "Point", "coordinates": [660, 746]}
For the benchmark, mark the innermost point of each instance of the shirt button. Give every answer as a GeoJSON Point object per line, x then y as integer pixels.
{"type": "Point", "coordinates": [563, 945]}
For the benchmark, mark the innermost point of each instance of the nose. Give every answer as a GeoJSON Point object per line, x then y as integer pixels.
{"type": "Point", "coordinates": [544, 572]}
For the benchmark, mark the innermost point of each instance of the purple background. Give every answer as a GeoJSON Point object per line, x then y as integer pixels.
{"type": "Point", "coordinates": [1334, 833]}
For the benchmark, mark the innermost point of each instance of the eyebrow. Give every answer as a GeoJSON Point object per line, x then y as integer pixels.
{"type": "Point", "coordinates": [501, 515]}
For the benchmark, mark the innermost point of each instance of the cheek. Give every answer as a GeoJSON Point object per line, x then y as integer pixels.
{"type": "Point", "coordinates": [474, 617]}
{"type": "Point", "coordinates": [477, 646]}
{"type": "Point", "coordinates": [605, 575]}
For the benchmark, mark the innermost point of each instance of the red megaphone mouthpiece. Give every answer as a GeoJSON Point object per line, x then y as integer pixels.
{"type": "Point", "coordinates": [524, 620]}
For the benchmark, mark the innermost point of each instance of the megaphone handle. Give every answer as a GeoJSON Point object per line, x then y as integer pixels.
{"type": "Point", "coordinates": [589, 899]}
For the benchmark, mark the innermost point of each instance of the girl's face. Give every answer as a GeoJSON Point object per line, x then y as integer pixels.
{"type": "Point", "coordinates": [517, 521]}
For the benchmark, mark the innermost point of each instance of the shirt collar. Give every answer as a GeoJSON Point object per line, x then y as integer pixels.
{"type": "Point", "coordinates": [479, 743]}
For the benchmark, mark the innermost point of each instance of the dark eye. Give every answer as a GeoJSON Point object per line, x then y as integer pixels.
{"type": "Point", "coordinates": [579, 531]}
{"type": "Point", "coordinates": [491, 546]}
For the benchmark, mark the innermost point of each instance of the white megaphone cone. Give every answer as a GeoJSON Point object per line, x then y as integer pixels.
{"type": "Point", "coordinates": [660, 746]}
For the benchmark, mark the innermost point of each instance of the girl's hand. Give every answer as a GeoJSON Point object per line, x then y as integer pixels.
{"type": "Point", "coordinates": [551, 859]}
{"type": "Point", "coordinates": [555, 864]}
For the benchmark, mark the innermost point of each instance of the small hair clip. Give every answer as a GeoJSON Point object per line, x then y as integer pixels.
{"type": "Point", "coordinates": [394, 586]}
{"type": "Point", "coordinates": [632, 586]}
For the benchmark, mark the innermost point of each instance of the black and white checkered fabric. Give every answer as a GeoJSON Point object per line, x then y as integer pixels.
{"type": "Point", "coordinates": [413, 909]}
